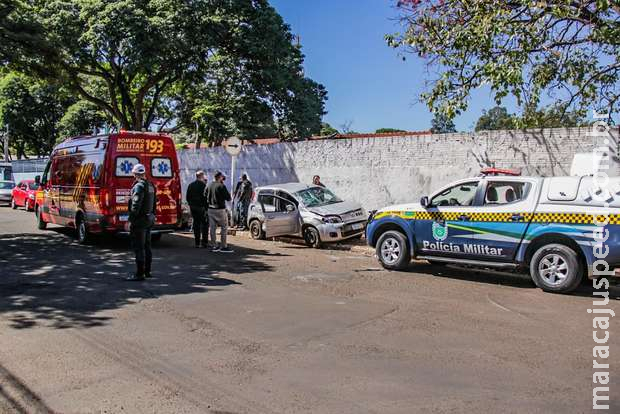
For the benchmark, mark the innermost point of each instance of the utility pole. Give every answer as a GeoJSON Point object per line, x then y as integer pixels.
{"type": "Point", "coordinates": [6, 143]}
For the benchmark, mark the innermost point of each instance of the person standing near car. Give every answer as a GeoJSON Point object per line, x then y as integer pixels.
{"type": "Point", "coordinates": [243, 196]}
{"type": "Point", "coordinates": [142, 206]}
{"type": "Point", "coordinates": [197, 200]}
{"type": "Point", "coordinates": [217, 196]}
{"type": "Point", "coordinates": [316, 180]}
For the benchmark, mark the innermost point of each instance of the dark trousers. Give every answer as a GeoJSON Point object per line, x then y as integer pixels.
{"type": "Point", "coordinates": [200, 225]}
{"type": "Point", "coordinates": [141, 245]}
{"type": "Point", "coordinates": [242, 212]}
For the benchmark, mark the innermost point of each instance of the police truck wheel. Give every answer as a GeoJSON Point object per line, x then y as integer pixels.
{"type": "Point", "coordinates": [393, 250]}
{"type": "Point", "coordinates": [41, 225]}
{"type": "Point", "coordinates": [83, 236]}
{"type": "Point", "coordinates": [556, 268]}
{"type": "Point", "coordinates": [256, 230]}
{"type": "Point", "coordinates": [13, 205]}
{"type": "Point", "coordinates": [312, 237]}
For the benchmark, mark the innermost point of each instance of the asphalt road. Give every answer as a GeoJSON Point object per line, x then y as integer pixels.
{"type": "Point", "coordinates": [280, 328]}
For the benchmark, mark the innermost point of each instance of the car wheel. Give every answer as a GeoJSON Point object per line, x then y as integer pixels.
{"type": "Point", "coordinates": [256, 230]}
{"type": "Point", "coordinates": [556, 268]}
{"type": "Point", "coordinates": [393, 250]}
{"type": "Point", "coordinates": [83, 236]}
{"type": "Point", "coordinates": [312, 237]}
{"type": "Point", "coordinates": [13, 205]}
{"type": "Point", "coordinates": [41, 224]}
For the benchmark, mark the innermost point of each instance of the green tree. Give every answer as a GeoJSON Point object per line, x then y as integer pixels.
{"type": "Point", "coordinates": [32, 110]}
{"type": "Point", "coordinates": [522, 47]}
{"type": "Point", "coordinates": [223, 65]}
{"type": "Point", "coordinates": [81, 118]}
{"type": "Point", "coordinates": [441, 124]}
{"type": "Point", "coordinates": [494, 119]}
{"type": "Point", "coordinates": [388, 130]}
{"type": "Point", "coordinates": [327, 129]}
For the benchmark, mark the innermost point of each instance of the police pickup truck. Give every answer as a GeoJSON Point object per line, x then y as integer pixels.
{"type": "Point", "coordinates": [556, 227]}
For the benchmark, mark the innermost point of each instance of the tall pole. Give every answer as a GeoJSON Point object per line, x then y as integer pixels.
{"type": "Point", "coordinates": [233, 164]}
{"type": "Point", "coordinates": [6, 144]}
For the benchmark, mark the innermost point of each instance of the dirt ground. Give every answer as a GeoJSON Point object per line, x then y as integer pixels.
{"type": "Point", "coordinates": [280, 328]}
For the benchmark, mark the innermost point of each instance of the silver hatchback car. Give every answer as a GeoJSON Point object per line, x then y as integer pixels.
{"type": "Point", "coordinates": [311, 212]}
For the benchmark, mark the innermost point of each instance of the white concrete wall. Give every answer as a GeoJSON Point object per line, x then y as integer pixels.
{"type": "Point", "coordinates": [380, 171]}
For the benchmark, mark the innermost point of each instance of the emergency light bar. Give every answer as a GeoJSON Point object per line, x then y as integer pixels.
{"type": "Point", "coordinates": [499, 171]}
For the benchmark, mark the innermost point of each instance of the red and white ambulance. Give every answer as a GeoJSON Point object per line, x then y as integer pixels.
{"type": "Point", "coordinates": [87, 183]}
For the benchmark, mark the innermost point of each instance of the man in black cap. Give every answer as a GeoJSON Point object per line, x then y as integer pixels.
{"type": "Point", "coordinates": [142, 206]}
{"type": "Point", "coordinates": [197, 201]}
{"type": "Point", "coordinates": [217, 196]}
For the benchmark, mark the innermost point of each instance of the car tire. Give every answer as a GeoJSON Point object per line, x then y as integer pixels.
{"type": "Point", "coordinates": [41, 224]}
{"type": "Point", "coordinates": [81, 230]}
{"type": "Point", "coordinates": [556, 268]}
{"type": "Point", "coordinates": [256, 230]}
{"type": "Point", "coordinates": [312, 238]}
{"type": "Point", "coordinates": [393, 250]}
{"type": "Point", "coordinates": [13, 205]}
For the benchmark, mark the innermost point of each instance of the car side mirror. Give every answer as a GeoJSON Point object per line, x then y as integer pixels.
{"type": "Point", "coordinates": [425, 202]}
{"type": "Point", "coordinates": [290, 208]}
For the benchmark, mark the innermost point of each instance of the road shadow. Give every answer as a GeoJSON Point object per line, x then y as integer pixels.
{"type": "Point", "coordinates": [516, 280]}
{"type": "Point", "coordinates": [51, 280]}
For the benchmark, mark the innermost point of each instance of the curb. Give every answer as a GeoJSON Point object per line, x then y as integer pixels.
{"type": "Point", "coordinates": [358, 247]}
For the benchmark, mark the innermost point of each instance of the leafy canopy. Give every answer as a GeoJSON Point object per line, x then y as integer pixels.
{"type": "Point", "coordinates": [569, 49]}
{"type": "Point", "coordinates": [219, 66]}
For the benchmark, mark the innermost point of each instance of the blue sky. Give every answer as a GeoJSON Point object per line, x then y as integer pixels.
{"type": "Point", "coordinates": [368, 82]}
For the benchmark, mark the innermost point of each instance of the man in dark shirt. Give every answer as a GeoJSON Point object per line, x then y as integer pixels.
{"type": "Point", "coordinates": [197, 200]}
{"type": "Point", "coordinates": [142, 207]}
{"type": "Point", "coordinates": [316, 180]}
{"type": "Point", "coordinates": [243, 196]}
{"type": "Point", "coordinates": [217, 196]}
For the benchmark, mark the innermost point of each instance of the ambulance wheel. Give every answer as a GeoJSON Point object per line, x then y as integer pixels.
{"type": "Point", "coordinates": [256, 230]}
{"type": "Point", "coordinates": [41, 225]}
{"type": "Point", "coordinates": [556, 268]}
{"type": "Point", "coordinates": [312, 237]}
{"type": "Point", "coordinates": [83, 236]}
{"type": "Point", "coordinates": [13, 205]}
{"type": "Point", "coordinates": [393, 250]}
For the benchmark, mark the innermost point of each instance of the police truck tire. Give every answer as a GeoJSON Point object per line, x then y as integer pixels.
{"type": "Point", "coordinates": [81, 229]}
{"type": "Point", "coordinates": [312, 238]}
{"type": "Point", "coordinates": [256, 230]}
{"type": "Point", "coordinates": [41, 225]}
{"type": "Point", "coordinates": [393, 250]}
{"type": "Point", "coordinates": [556, 268]}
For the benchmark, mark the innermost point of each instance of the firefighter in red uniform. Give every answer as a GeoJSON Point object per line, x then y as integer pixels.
{"type": "Point", "coordinates": [142, 207]}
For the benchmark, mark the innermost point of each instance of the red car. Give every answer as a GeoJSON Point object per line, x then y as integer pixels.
{"type": "Point", "coordinates": [23, 195]}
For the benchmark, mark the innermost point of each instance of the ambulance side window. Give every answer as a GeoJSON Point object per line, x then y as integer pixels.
{"type": "Point", "coordinates": [124, 166]}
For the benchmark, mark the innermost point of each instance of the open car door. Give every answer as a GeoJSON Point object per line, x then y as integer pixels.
{"type": "Point", "coordinates": [281, 216]}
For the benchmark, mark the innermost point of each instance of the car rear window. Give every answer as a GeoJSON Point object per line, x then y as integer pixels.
{"type": "Point", "coordinates": [124, 166]}
{"type": "Point", "coordinates": [161, 167]}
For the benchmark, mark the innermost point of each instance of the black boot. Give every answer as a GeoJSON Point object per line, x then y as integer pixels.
{"type": "Point", "coordinates": [147, 270]}
{"type": "Point", "coordinates": [139, 275]}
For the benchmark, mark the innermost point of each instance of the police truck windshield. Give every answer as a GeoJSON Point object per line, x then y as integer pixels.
{"type": "Point", "coordinates": [317, 196]}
